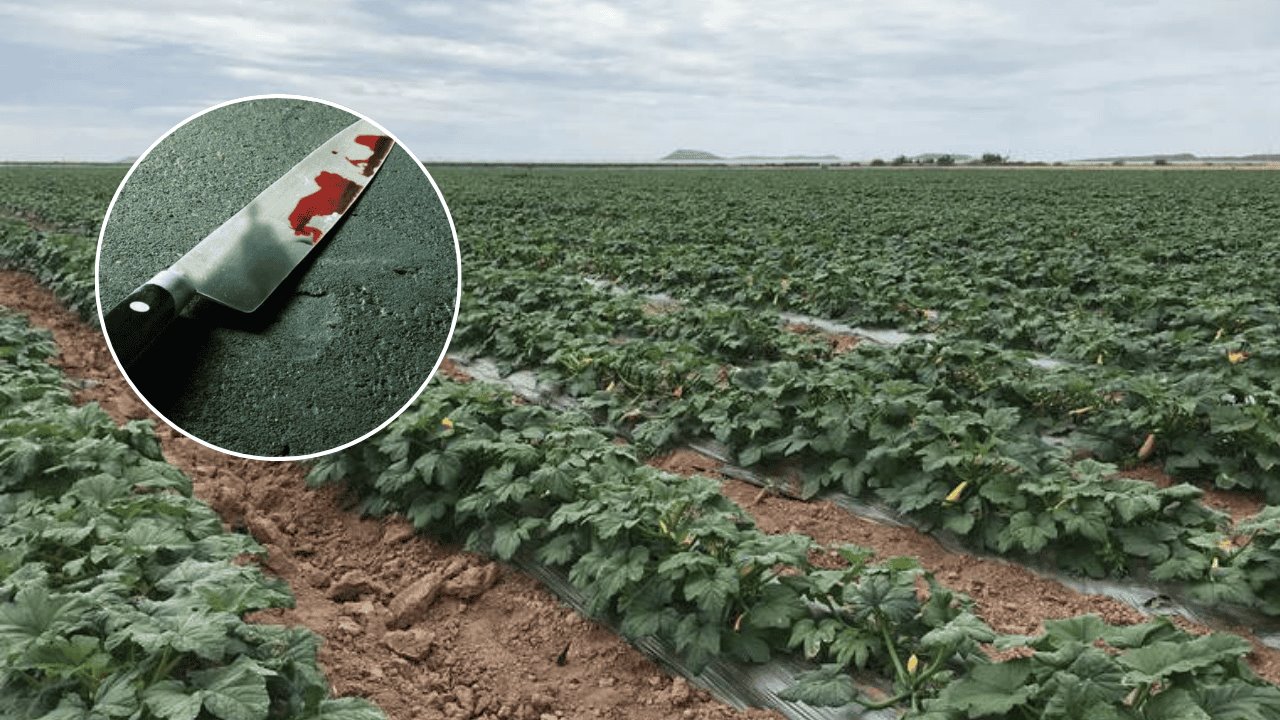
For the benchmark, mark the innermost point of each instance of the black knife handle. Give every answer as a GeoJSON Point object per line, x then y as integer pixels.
{"type": "Point", "coordinates": [138, 320]}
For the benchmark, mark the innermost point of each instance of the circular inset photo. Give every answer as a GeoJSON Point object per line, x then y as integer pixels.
{"type": "Point", "coordinates": [278, 277]}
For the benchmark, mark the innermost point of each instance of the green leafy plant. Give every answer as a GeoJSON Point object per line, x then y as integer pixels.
{"type": "Point", "coordinates": [1085, 668]}
{"type": "Point", "coordinates": [662, 556]}
{"type": "Point", "coordinates": [120, 594]}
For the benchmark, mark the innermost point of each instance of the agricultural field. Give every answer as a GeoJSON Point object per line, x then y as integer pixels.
{"type": "Point", "coordinates": [937, 444]}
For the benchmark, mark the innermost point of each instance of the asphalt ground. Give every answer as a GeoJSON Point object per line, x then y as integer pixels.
{"type": "Point", "coordinates": [341, 345]}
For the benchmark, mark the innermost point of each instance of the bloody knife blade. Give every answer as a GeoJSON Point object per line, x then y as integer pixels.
{"type": "Point", "coordinates": [243, 261]}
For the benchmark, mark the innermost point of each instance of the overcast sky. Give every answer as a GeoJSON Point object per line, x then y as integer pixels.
{"type": "Point", "coordinates": [560, 80]}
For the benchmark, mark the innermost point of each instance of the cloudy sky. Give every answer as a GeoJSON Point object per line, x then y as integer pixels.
{"type": "Point", "coordinates": [561, 80]}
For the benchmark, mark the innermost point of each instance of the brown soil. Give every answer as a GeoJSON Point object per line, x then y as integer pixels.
{"type": "Point", "coordinates": [420, 628]}
{"type": "Point", "coordinates": [1011, 598]}
{"type": "Point", "coordinates": [1239, 504]}
{"type": "Point", "coordinates": [840, 344]}
{"type": "Point", "coordinates": [450, 370]}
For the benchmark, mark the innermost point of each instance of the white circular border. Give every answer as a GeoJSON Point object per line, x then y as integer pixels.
{"type": "Point", "coordinates": [457, 301]}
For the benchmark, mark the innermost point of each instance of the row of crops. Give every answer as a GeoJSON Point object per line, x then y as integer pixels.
{"type": "Point", "coordinates": [1139, 269]}
{"type": "Point", "coordinates": [120, 594]}
{"type": "Point", "coordinates": [951, 432]}
{"type": "Point", "coordinates": [671, 557]}
{"type": "Point", "coordinates": [1072, 326]}
{"type": "Point", "coordinates": [1161, 290]}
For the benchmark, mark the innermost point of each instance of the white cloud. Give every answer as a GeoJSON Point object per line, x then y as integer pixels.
{"type": "Point", "coordinates": [556, 78]}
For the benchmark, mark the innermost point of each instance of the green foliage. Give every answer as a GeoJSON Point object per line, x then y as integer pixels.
{"type": "Point", "coordinates": [1159, 290]}
{"type": "Point", "coordinates": [673, 558]}
{"type": "Point", "coordinates": [911, 424]}
{"type": "Point", "coordinates": [120, 594]}
{"type": "Point", "coordinates": [60, 261]}
{"type": "Point", "coordinates": [49, 219]}
{"type": "Point", "coordinates": [1084, 668]}
{"type": "Point", "coordinates": [664, 557]}
{"type": "Point", "coordinates": [907, 425]}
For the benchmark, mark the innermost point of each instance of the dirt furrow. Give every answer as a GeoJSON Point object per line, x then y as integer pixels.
{"type": "Point", "coordinates": [422, 629]}
{"type": "Point", "coordinates": [1238, 504]}
{"type": "Point", "coordinates": [1011, 598]}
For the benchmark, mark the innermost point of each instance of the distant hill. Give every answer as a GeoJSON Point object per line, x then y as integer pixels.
{"type": "Point", "coordinates": [687, 154]}
{"type": "Point", "coordinates": [1185, 157]}
{"type": "Point", "coordinates": [683, 154]}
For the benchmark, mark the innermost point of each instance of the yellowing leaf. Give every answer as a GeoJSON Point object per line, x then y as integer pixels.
{"type": "Point", "coordinates": [1081, 411]}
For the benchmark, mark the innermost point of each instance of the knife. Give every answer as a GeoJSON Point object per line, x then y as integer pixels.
{"type": "Point", "coordinates": [243, 261]}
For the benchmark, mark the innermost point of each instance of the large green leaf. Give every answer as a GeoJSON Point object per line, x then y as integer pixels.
{"type": "Point", "coordinates": [1091, 683]}
{"type": "Point", "coordinates": [171, 700]}
{"type": "Point", "coordinates": [1160, 660]}
{"type": "Point", "coordinates": [1176, 704]}
{"type": "Point", "coordinates": [993, 689]}
{"type": "Point", "coordinates": [963, 627]}
{"type": "Point", "coordinates": [1238, 701]}
{"type": "Point", "coordinates": [235, 692]}
{"type": "Point", "coordinates": [829, 686]}
{"type": "Point", "coordinates": [778, 607]}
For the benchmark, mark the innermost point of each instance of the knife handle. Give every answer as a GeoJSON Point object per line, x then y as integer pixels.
{"type": "Point", "coordinates": [135, 322]}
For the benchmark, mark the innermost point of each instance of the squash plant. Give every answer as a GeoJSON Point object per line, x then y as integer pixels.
{"type": "Point", "coordinates": [120, 594]}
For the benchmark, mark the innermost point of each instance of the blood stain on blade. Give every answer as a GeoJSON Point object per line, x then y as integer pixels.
{"type": "Point", "coordinates": [380, 145]}
{"type": "Point", "coordinates": [334, 195]}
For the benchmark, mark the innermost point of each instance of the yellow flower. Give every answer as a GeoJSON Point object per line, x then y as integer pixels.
{"type": "Point", "coordinates": [1235, 357]}
{"type": "Point", "coordinates": [447, 423]}
{"type": "Point", "coordinates": [1225, 544]}
{"type": "Point", "coordinates": [913, 663]}
{"type": "Point", "coordinates": [1215, 564]}
{"type": "Point", "coordinates": [957, 491]}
